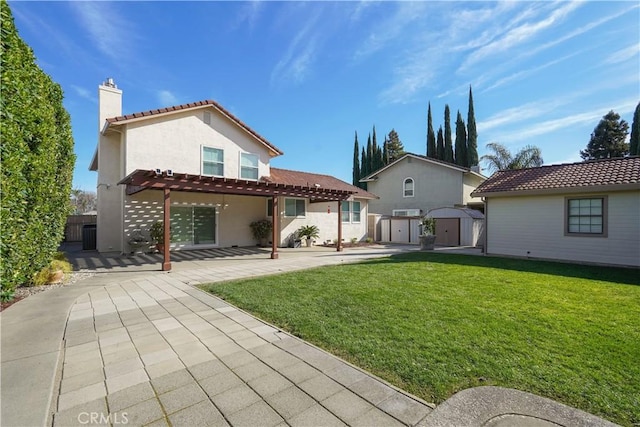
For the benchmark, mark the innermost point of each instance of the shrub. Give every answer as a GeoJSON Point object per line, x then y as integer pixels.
{"type": "Point", "coordinates": [369, 240]}
{"type": "Point", "coordinates": [261, 229]}
{"type": "Point", "coordinates": [354, 240]}
{"type": "Point", "coordinates": [37, 161]}
{"type": "Point", "coordinates": [48, 273]}
{"type": "Point", "coordinates": [309, 231]}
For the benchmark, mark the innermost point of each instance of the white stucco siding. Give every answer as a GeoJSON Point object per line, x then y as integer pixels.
{"type": "Point", "coordinates": [175, 142]}
{"type": "Point", "coordinates": [110, 195]}
{"type": "Point", "coordinates": [145, 208]}
{"type": "Point", "coordinates": [325, 216]}
{"type": "Point", "coordinates": [469, 183]}
{"type": "Point", "coordinates": [435, 186]}
{"type": "Point", "coordinates": [535, 227]}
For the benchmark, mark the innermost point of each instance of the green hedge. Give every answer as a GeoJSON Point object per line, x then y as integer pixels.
{"type": "Point", "coordinates": [37, 160]}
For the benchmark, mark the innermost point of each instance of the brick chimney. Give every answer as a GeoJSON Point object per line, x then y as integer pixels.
{"type": "Point", "coordinates": [110, 100]}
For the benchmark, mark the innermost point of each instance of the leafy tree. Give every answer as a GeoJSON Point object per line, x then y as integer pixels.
{"type": "Point", "coordinates": [395, 149]}
{"type": "Point", "coordinates": [501, 158]}
{"type": "Point", "coordinates": [82, 201]}
{"type": "Point", "coordinates": [634, 141]}
{"type": "Point", "coordinates": [608, 139]}
{"type": "Point", "coordinates": [440, 145]}
{"type": "Point", "coordinates": [448, 143]}
{"type": "Point", "coordinates": [472, 135]}
{"type": "Point", "coordinates": [37, 160]}
{"type": "Point", "coordinates": [356, 162]}
{"type": "Point", "coordinates": [461, 141]}
{"type": "Point", "coordinates": [432, 150]}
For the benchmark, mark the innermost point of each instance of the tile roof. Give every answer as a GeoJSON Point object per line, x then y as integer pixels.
{"type": "Point", "coordinates": [145, 114]}
{"type": "Point", "coordinates": [307, 179]}
{"type": "Point", "coordinates": [583, 176]}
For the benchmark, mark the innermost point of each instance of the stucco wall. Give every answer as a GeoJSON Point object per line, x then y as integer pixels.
{"type": "Point", "coordinates": [469, 183]}
{"type": "Point", "coordinates": [534, 227]}
{"type": "Point", "coordinates": [175, 142]}
{"type": "Point", "coordinates": [317, 214]}
{"type": "Point", "coordinates": [435, 186]}
{"type": "Point", "coordinates": [145, 208]}
{"type": "Point", "coordinates": [109, 194]}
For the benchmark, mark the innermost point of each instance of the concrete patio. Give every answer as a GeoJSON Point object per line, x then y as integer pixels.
{"type": "Point", "coordinates": [133, 345]}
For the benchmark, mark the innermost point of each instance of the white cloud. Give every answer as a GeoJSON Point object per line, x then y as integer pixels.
{"type": "Point", "coordinates": [519, 35]}
{"type": "Point", "coordinates": [84, 93]}
{"type": "Point", "coordinates": [249, 14]}
{"type": "Point", "coordinates": [623, 55]}
{"type": "Point", "coordinates": [549, 126]}
{"type": "Point", "coordinates": [167, 98]}
{"type": "Point", "coordinates": [294, 65]}
{"type": "Point", "coordinates": [109, 31]}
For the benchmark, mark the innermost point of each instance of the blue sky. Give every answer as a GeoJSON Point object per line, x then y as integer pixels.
{"type": "Point", "coordinates": [307, 75]}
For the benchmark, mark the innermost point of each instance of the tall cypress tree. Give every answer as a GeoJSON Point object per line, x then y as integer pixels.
{"type": "Point", "coordinates": [472, 135]}
{"type": "Point", "coordinates": [356, 162]}
{"type": "Point", "coordinates": [369, 155]}
{"type": "Point", "coordinates": [385, 151]}
{"type": "Point", "coordinates": [440, 145]}
{"type": "Point", "coordinates": [461, 141]}
{"type": "Point", "coordinates": [634, 141]}
{"type": "Point", "coordinates": [432, 150]}
{"type": "Point", "coordinates": [363, 168]}
{"type": "Point", "coordinates": [448, 143]}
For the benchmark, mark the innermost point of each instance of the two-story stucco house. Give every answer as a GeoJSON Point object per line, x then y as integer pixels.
{"type": "Point", "coordinates": [415, 185]}
{"type": "Point", "coordinates": [579, 212]}
{"type": "Point", "coordinates": [209, 174]}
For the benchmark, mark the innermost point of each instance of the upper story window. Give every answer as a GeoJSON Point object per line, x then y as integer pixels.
{"type": "Point", "coordinates": [586, 216]}
{"type": "Point", "coordinates": [407, 187]}
{"type": "Point", "coordinates": [212, 161]}
{"type": "Point", "coordinates": [248, 166]}
{"type": "Point", "coordinates": [294, 207]}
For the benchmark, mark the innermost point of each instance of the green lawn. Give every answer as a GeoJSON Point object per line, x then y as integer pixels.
{"type": "Point", "coordinates": [435, 324]}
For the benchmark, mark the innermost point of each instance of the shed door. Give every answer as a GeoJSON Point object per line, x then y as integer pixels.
{"type": "Point", "coordinates": [448, 231]}
{"type": "Point", "coordinates": [400, 230]}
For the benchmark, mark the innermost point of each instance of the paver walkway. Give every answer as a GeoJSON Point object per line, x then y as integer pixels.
{"type": "Point", "coordinates": [158, 351]}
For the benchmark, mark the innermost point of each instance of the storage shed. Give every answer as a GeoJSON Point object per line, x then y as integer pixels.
{"type": "Point", "coordinates": [458, 226]}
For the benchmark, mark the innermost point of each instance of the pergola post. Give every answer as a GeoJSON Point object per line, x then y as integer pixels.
{"type": "Point", "coordinates": [166, 262]}
{"type": "Point", "coordinates": [274, 228]}
{"type": "Point", "coordinates": [339, 244]}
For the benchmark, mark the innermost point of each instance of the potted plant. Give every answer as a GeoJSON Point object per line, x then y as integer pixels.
{"type": "Point", "coordinates": [137, 241]}
{"type": "Point", "coordinates": [309, 232]}
{"type": "Point", "coordinates": [156, 232]}
{"type": "Point", "coordinates": [261, 230]}
{"type": "Point", "coordinates": [428, 236]}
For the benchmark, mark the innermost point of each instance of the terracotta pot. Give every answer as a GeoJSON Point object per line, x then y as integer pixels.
{"type": "Point", "coordinates": [160, 247]}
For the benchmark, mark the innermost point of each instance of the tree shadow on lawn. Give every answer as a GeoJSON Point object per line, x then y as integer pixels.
{"type": "Point", "coordinates": [626, 276]}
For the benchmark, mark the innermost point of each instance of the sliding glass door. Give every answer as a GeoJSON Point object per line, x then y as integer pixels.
{"type": "Point", "coordinates": [193, 225]}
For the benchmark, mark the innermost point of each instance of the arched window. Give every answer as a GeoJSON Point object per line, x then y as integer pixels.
{"type": "Point", "coordinates": [407, 187]}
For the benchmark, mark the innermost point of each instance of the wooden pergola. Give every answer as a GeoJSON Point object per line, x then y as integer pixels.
{"type": "Point", "coordinates": [141, 180]}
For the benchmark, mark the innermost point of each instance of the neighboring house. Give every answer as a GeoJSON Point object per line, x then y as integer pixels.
{"type": "Point", "coordinates": [211, 175]}
{"type": "Point", "coordinates": [581, 212]}
{"type": "Point", "coordinates": [412, 186]}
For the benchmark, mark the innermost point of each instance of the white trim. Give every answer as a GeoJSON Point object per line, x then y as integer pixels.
{"type": "Point", "coordinates": [202, 147]}
{"type": "Point", "coordinates": [370, 177]}
{"type": "Point", "coordinates": [257, 168]}
{"type": "Point", "coordinates": [413, 187]}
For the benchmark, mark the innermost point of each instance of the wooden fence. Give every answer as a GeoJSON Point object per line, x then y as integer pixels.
{"type": "Point", "coordinates": [73, 229]}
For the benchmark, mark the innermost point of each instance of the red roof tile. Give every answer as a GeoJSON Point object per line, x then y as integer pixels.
{"type": "Point", "coordinates": [126, 117]}
{"type": "Point", "coordinates": [306, 179]}
{"type": "Point", "coordinates": [573, 176]}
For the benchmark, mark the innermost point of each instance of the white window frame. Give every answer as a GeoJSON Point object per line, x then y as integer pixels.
{"type": "Point", "coordinates": [304, 214]}
{"type": "Point", "coordinates": [256, 168]}
{"type": "Point", "coordinates": [348, 213]}
{"type": "Point", "coordinates": [202, 161]}
{"type": "Point", "coordinates": [413, 187]}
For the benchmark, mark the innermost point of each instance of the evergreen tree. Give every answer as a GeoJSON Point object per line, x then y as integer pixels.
{"type": "Point", "coordinates": [394, 146]}
{"type": "Point", "coordinates": [634, 141]}
{"type": "Point", "coordinates": [385, 151]}
{"type": "Point", "coordinates": [448, 143]}
{"type": "Point", "coordinates": [369, 156]}
{"type": "Point", "coordinates": [440, 145]}
{"type": "Point", "coordinates": [608, 139]}
{"type": "Point", "coordinates": [461, 141]}
{"type": "Point", "coordinates": [356, 162]}
{"type": "Point", "coordinates": [363, 168]}
{"type": "Point", "coordinates": [432, 150]}
{"type": "Point", "coordinates": [472, 135]}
